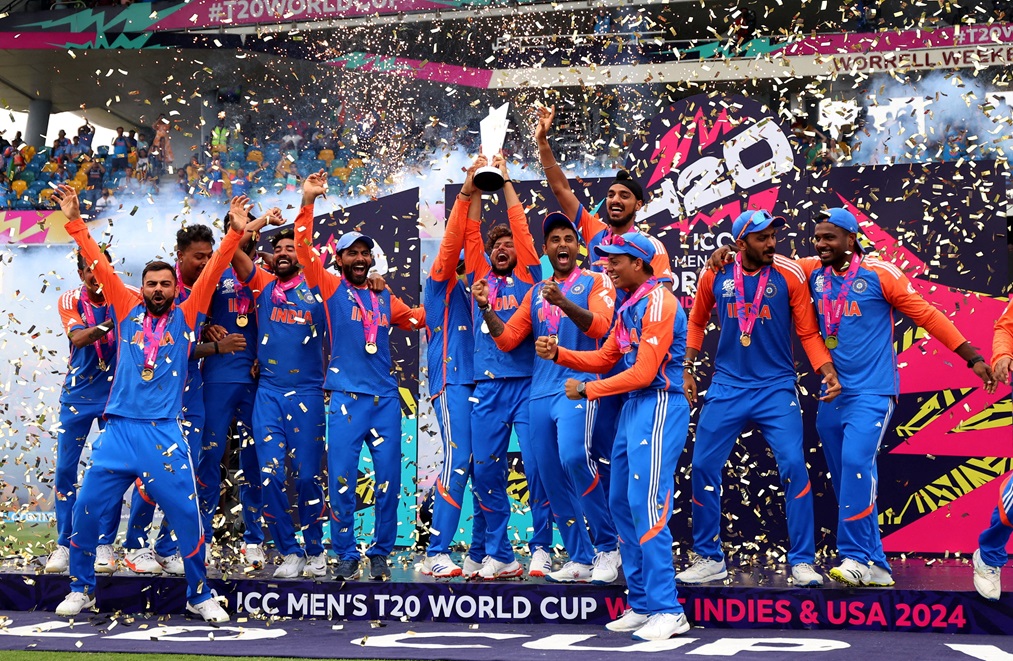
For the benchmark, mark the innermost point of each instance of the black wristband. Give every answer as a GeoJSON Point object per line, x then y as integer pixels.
{"type": "Point", "coordinates": [975, 360]}
{"type": "Point", "coordinates": [485, 309]}
{"type": "Point", "coordinates": [217, 350]}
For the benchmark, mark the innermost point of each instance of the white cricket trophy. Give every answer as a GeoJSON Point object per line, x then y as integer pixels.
{"type": "Point", "coordinates": [493, 129]}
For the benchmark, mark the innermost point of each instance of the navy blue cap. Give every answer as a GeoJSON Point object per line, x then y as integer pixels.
{"type": "Point", "coordinates": [754, 221]}
{"type": "Point", "coordinates": [558, 218]}
{"type": "Point", "coordinates": [842, 218]}
{"type": "Point", "coordinates": [348, 238]}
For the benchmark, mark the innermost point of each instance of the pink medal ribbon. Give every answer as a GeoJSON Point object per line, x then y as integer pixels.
{"type": "Point", "coordinates": [370, 318]}
{"type": "Point", "coordinates": [104, 346]}
{"type": "Point", "coordinates": [281, 289]}
{"type": "Point", "coordinates": [833, 311]}
{"type": "Point", "coordinates": [244, 299]}
{"type": "Point", "coordinates": [747, 320]}
{"type": "Point", "coordinates": [184, 293]}
{"type": "Point", "coordinates": [623, 333]}
{"type": "Point", "coordinates": [496, 282]}
{"type": "Point", "coordinates": [552, 314]}
{"type": "Point", "coordinates": [153, 333]}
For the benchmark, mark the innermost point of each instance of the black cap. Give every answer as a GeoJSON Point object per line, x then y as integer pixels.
{"type": "Point", "coordinates": [623, 178]}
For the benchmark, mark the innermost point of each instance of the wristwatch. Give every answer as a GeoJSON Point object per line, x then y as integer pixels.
{"type": "Point", "coordinates": [974, 361]}
{"type": "Point", "coordinates": [581, 389]}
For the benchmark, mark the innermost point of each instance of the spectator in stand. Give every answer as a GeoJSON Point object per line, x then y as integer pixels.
{"type": "Point", "coordinates": [162, 145]}
{"type": "Point", "coordinates": [76, 149]}
{"type": "Point", "coordinates": [121, 147]}
{"type": "Point", "coordinates": [129, 184]}
{"type": "Point", "coordinates": [220, 137]}
{"type": "Point", "coordinates": [107, 204]}
{"type": "Point", "coordinates": [61, 145]}
{"type": "Point", "coordinates": [143, 164]}
{"type": "Point", "coordinates": [215, 176]}
{"type": "Point", "coordinates": [93, 193]}
{"type": "Point", "coordinates": [240, 184]}
{"type": "Point", "coordinates": [132, 138]}
{"type": "Point", "coordinates": [6, 194]}
{"type": "Point", "coordinates": [85, 133]}
{"type": "Point", "coordinates": [60, 174]}
{"type": "Point", "coordinates": [17, 141]}
{"type": "Point", "coordinates": [193, 170]}
{"type": "Point", "coordinates": [292, 139]}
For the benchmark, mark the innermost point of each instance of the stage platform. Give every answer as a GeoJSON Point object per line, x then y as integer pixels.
{"type": "Point", "coordinates": [931, 595]}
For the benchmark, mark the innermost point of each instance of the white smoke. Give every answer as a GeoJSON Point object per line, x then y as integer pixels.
{"type": "Point", "coordinates": [912, 120]}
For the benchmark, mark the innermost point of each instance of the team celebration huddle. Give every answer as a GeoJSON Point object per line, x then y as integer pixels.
{"type": "Point", "coordinates": [595, 369]}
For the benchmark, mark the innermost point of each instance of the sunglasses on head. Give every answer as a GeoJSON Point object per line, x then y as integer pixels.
{"type": "Point", "coordinates": [620, 241]}
{"type": "Point", "coordinates": [757, 217]}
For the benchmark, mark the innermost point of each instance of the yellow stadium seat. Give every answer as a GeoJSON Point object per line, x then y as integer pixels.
{"type": "Point", "coordinates": [255, 155]}
{"type": "Point", "coordinates": [342, 173]}
{"type": "Point", "coordinates": [77, 185]}
{"type": "Point", "coordinates": [326, 155]}
{"type": "Point", "coordinates": [45, 194]}
{"type": "Point", "coordinates": [19, 186]}
{"type": "Point", "coordinates": [50, 166]}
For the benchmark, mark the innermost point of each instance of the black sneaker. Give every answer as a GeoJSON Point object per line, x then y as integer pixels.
{"type": "Point", "coordinates": [347, 570]}
{"type": "Point", "coordinates": [378, 569]}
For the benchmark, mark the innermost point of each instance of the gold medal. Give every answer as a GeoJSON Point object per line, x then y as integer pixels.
{"type": "Point", "coordinates": [147, 374]}
{"type": "Point", "coordinates": [745, 340]}
{"type": "Point", "coordinates": [371, 348]}
{"type": "Point", "coordinates": [242, 320]}
{"type": "Point", "coordinates": [102, 365]}
{"type": "Point", "coordinates": [485, 328]}
{"type": "Point", "coordinates": [554, 337]}
{"type": "Point", "coordinates": [831, 342]}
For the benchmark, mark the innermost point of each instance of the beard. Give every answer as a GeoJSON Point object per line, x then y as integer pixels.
{"type": "Point", "coordinates": [356, 279]}
{"type": "Point", "coordinates": [619, 222]}
{"type": "Point", "coordinates": [157, 308]}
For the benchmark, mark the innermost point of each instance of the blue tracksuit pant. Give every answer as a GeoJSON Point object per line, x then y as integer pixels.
{"type": "Point", "coordinates": [851, 428]}
{"type": "Point", "coordinates": [156, 452]}
{"type": "Point", "coordinates": [290, 425]}
{"type": "Point", "coordinates": [726, 411]}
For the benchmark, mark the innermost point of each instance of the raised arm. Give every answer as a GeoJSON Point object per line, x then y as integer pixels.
{"type": "Point", "coordinates": [313, 187]}
{"type": "Point", "coordinates": [445, 265]}
{"type": "Point", "coordinates": [117, 294]}
{"type": "Point", "coordinates": [558, 182]}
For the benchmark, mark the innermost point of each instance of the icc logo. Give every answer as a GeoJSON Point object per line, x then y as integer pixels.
{"type": "Point", "coordinates": [728, 288]}
{"type": "Point", "coordinates": [819, 284]}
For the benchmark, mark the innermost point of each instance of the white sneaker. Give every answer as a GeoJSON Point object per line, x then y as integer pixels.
{"type": "Point", "coordinates": [471, 568]}
{"type": "Point", "coordinates": [74, 603]}
{"type": "Point", "coordinates": [255, 556]}
{"type": "Point", "coordinates": [606, 567]}
{"type": "Point", "coordinates": [850, 572]}
{"type": "Point", "coordinates": [440, 566]}
{"type": "Point", "coordinates": [208, 609]}
{"type": "Point", "coordinates": [142, 561]}
{"type": "Point", "coordinates": [105, 559]}
{"type": "Point", "coordinates": [986, 578]}
{"type": "Point", "coordinates": [291, 566]}
{"type": "Point", "coordinates": [878, 577]}
{"type": "Point", "coordinates": [316, 566]}
{"type": "Point", "coordinates": [662, 626]}
{"type": "Point", "coordinates": [630, 620]}
{"type": "Point", "coordinates": [703, 570]}
{"type": "Point", "coordinates": [58, 561]}
{"type": "Point", "coordinates": [494, 569]}
{"type": "Point", "coordinates": [805, 575]}
{"type": "Point", "coordinates": [541, 563]}
{"type": "Point", "coordinates": [571, 572]}
{"type": "Point", "coordinates": [172, 565]}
